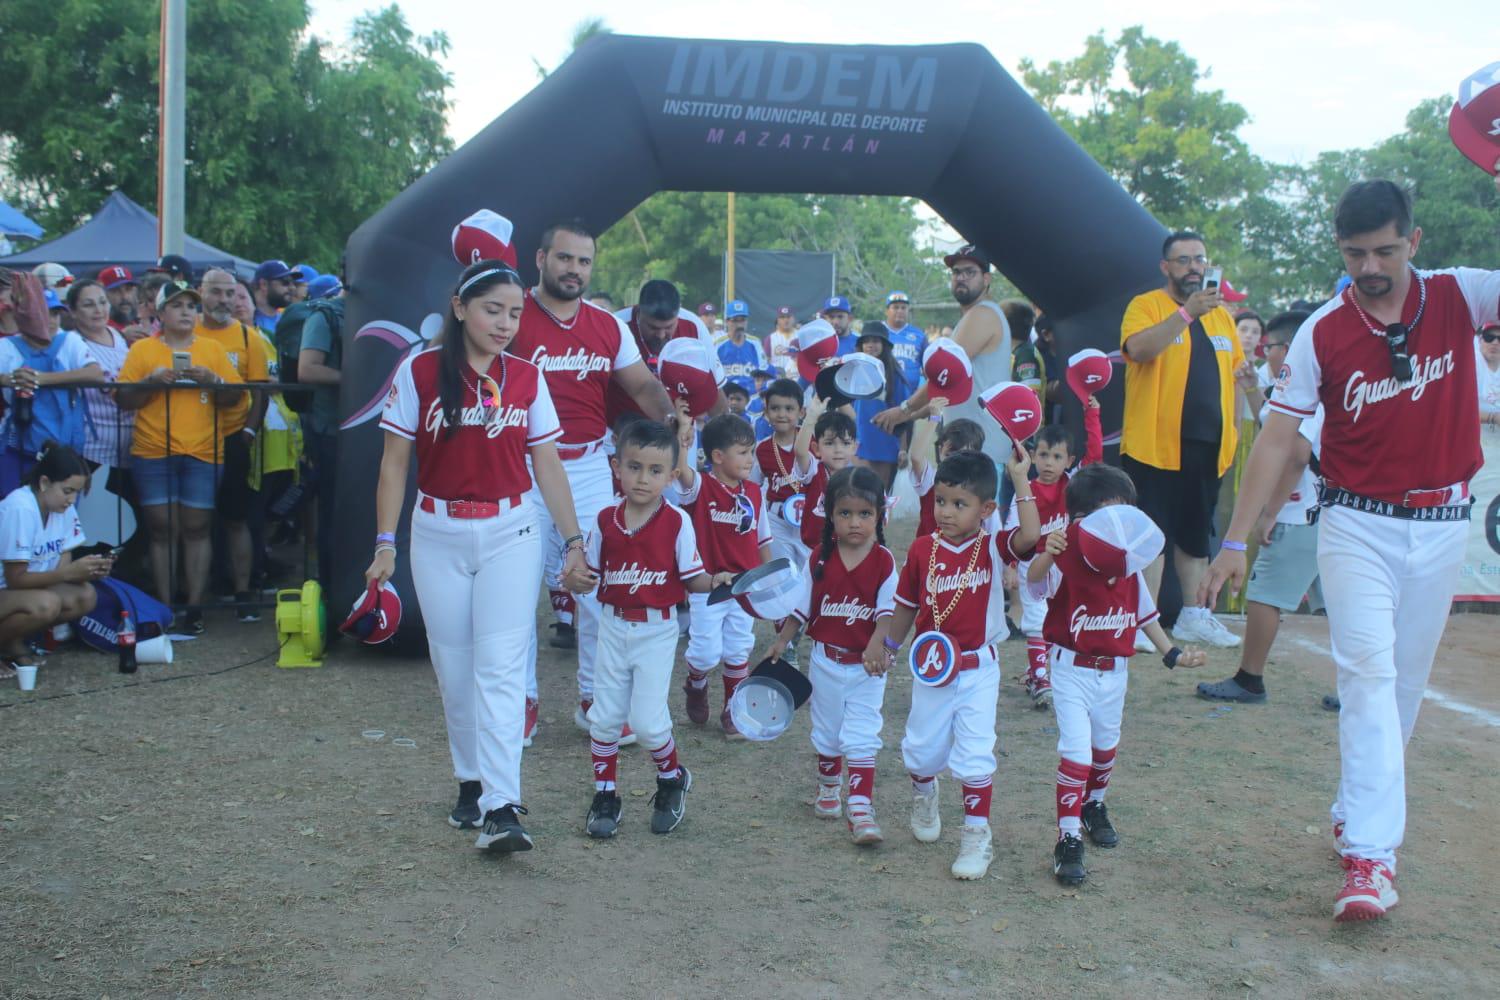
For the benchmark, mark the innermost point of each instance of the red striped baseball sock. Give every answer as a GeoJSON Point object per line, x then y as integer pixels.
{"type": "Point", "coordinates": [830, 769]}
{"type": "Point", "coordinates": [605, 755]}
{"type": "Point", "coordinates": [861, 783]}
{"type": "Point", "coordinates": [665, 757]}
{"type": "Point", "coordinates": [923, 786]}
{"type": "Point", "coordinates": [1036, 654]}
{"type": "Point", "coordinates": [977, 801]}
{"type": "Point", "coordinates": [1072, 779]}
{"type": "Point", "coordinates": [1104, 763]}
{"type": "Point", "coordinates": [733, 674]}
{"type": "Point", "coordinates": [697, 679]}
{"type": "Point", "coordinates": [562, 605]}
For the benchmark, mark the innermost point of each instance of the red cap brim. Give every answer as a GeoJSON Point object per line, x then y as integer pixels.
{"type": "Point", "coordinates": [1478, 147]}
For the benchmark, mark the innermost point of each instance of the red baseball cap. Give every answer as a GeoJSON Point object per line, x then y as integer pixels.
{"type": "Point", "coordinates": [376, 615]}
{"type": "Point", "coordinates": [1474, 122]}
{"type": "Point", "coordinates": [116, 275]}
{"type": "Point", "coordinates": [949, 374]}
{"type": "Point", "coordinates": [784, 311]}
{"type": "Point", "coordinates": [687, 371]}
{"type": "Point", "coordinates": [485, 235]}
{"type": "Point", "coordinates": [815, 343]}
{"type": "Point", "coordinates": [707, 309]}
{"type": "Point", "coordinates": [1089, 372]}
{"type": "Point", "coordinates": [1119, 540]}
{"type": "Point", "coordinates": [1014, 407]}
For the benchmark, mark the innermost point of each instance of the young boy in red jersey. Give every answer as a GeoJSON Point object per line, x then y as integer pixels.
{"type": "Point", "coordinates": [1053, 458]}
{"type": "Point", "coordinates": [776, 470]}
{"type": "Point", "coordinates": [950, 584]}
{"type": "Point", "coordinates": [643, 553]}
{"type": "Point", "coordinates": [1090, 572]}
{"type": "Point", "coordinates": [835, 437]}
{"type": "Point", "coordinates": [733, 536]}
{"type": "Point", "coordinates": [951, 437]}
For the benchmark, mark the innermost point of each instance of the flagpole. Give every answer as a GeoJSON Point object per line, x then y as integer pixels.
{"type": "Point", "coordinates": [170, 205]}
{"type": "Point", "coordinates": [729, 255]}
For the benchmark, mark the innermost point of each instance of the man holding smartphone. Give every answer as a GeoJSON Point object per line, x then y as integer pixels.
{"type": "Point", "coordinates": [1182, 355]}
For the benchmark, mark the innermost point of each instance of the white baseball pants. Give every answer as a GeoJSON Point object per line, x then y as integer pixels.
{"type": "Point", "coordinates": [1033, 609]}
{"type": "Point", "coordinates": [786, 540]}
{"type": "Point", "coordinates": [1089, 705]}
{"type": "Point", "coordinates": [632, 674]}
{"type": "Point", "coordinates": [1389, 585]}
{"type": "Point", "coordinates": [592, 488]}
{"type": "Point", "coordinates": [953, 727]}
{"type": "Point", "coordinates": [717, 633]}
{"type": "Point", "coordinates": [845, 706]}
{"type": "Point", "coordinates": [476, 641]}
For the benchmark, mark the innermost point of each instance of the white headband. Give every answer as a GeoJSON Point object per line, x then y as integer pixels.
{"type": "Point", "coordinates": [490, 272]}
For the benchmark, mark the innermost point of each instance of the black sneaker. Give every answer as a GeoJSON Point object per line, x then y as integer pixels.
{"type": "Point", "coordinates": [564, 636]}
{"type": "Point", "coordinates": [194, 622]}
{"type": "Point", "coordinates": [1097, 825]}
{"type": "Point", "coordinates": [1067, 860]}
{"type": "Point", "coordinates": [503, 832]}
{"type": "Point", "coordinates": [670, 801]}
{"type": "Point", "coordinates": [465, 814]}
{"type": "Point", "coordinates": [604, 816]}
{"type": "Point", "coordinates": [245, 613]}
{"type": "Point", "coordinates": [1013, 630]}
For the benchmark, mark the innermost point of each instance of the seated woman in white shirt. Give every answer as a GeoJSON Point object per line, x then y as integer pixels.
{"type": "Point", "coordinates": [42, 585]}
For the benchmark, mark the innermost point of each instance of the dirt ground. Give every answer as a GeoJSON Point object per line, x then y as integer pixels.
{"type": "Point", "coordinates": [234, 833]}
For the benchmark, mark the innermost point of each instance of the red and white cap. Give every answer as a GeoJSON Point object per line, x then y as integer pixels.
{"type": "Point", "coordinates": [376, 614]}
{"type": "Point", "coordinates": [948, 371]}
{"type": "Point", "coordinates": [485, 235]}
{"type": "Point", "coordinates": [116, 275]}
{"type": "Point", "coordinates": [1015, 408]}
{"type": "Point", "coordinates": [687, 371]}
{"type": "Point", "coordinates": [1089, 372]}
{"type": "Point", "coordinates": [1474, 122]}
{"type": "Point", "coordinates": [815, 343]}
{"type": "Point", "coordinates": [1229, 293]}
{"type": "Point", "coordinates": [1119, 540]}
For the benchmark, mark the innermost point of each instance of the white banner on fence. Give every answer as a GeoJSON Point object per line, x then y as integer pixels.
{"type": "Point", "coordinates": [1479, 579]}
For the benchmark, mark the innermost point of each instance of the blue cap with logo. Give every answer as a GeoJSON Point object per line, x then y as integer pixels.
{"type": "Point", "coordinates": [736, 307]}
{"type": "Point", "coordinates": [275, 270]}
{"type": "Point", "coordinates": [895, 297]}
{"type": "Point", "coordinates": [324, 286]}
{"type": "Point", "coordinates": [835, 303]}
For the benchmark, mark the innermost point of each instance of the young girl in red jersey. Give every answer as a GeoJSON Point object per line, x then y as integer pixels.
{"type": "Point", "coordinates": [848, 596]}
{"type": "Point", "coordinates": [473, 415]}
{"type": "Point", "coordinates": [1096, 604]}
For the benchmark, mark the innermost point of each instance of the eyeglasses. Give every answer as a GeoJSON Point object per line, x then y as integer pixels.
{"type": "Point", "coordinates": [964, 272]}
{"type": "Point", "coordinates": [1271, 345]}
{"type": "Point", "coordinates": [1185, 260]}
{"type": "Point", "coordinates": [1491, 338]}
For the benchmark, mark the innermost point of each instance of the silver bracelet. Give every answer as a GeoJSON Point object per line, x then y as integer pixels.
{"type": "Point", "coordinates": [385, 547]}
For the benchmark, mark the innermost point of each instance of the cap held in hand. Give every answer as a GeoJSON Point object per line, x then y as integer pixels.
{"type": "Point", "coordinates": [1474, 122]}
{"type": "Point", "coordinates": [1089, 372]}
{"type": "Point", "coordinates": [1015, 408]}
{"type": "Point", "coordinates": [376, 615]}
{"type": "Point", "coordinates": [1119, 540]}
{"type": "Point", "coordinates": [485, 235]}
{"type": "Point", "coordinates": [948, 371]}
{"type": "Point", "coordinates": [686, 370]}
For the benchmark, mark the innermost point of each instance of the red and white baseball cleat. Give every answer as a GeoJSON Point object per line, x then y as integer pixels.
{"type": "Point", "coordinates": [828, 804]}
{"type": "Point", "coordinates": [696, 697]}
{"type": "Point", "coordinates": [863, 828]}
{"type": "Point", "coordinates": [1039, 686]}
{"type": "Point", "coordinates": [533, 709]}
{"type": "Point", "coordinates": [627, 737]}
{"type": "Point", "coordinates": [1369, 891]}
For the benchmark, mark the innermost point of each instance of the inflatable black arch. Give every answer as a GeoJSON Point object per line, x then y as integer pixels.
{"type": "Point", "coordinates": [626, 117]}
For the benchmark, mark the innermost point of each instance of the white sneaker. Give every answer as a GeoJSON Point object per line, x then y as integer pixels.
{"type": "Point", "coordinates": [864, 829]}
{"type": "Point", "coordinates": [828, 804]}
{"type": "Point", "coordinates": [581, 720]}
{"type": "Point", "coordinates": [975, 852]}
{"type": "Point", "coordinates": [1199, 625]}
{"type": "Point", "coordinates": [926, 824]}
{"type": "Point", "coordinates": [1143, 641]}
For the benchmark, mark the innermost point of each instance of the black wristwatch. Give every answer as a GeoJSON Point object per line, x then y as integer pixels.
{"type": "Point", "coordinates": [1171, 658]}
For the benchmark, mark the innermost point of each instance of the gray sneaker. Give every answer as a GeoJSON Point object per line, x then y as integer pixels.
{"type": "Point", "coordinates": [1229, 690]}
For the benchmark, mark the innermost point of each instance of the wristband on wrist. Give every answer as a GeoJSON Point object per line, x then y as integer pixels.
{"type": "Point", "coordinates": [891, 644]}
{"type": "Point", "coordinates": [568, 542]}
{"type": "Point", "coordinates": [1187, 317]}
{"type": "Point", "coordinates": [1232, 546]}
{"type": "Point", "coordinates": [388, 537]}
{"type": "Point", "coordinates": [385, 547]}
{"type": "Point", "coordinates": [1171, 658]}
{"type": "Point", "coordinates": [1027, 499]}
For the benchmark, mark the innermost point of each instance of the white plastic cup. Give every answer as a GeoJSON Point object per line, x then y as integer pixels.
{"type": "Point", "coordinates": [154, 650]}
{"type": "Point", "coordinates": [26, 677]}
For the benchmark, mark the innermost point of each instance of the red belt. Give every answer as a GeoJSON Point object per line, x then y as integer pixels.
{"type": "Point", "coordinates": [1435, 498]}
{"type": "Point", "coordinates": [970, 661]}
{"type": "Point", "coordinates": [1101, 663]}
{"type": "Point", "coordinates": [847, 657]}
{"type": "Point", "coordinates": [642, 614]}
{"type": "Point", "coordinates": [470, 510]}
{"type": "Point", "coordinates": [569, 452]}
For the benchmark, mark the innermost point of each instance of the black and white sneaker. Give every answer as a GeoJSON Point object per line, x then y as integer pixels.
{"type": "Point", "coordinates": [194, 622]}
{"type": "Point", "coordinates": [564, 636]}
{"type": "Point", "coordinates": [1097, 825]}
{"type": "Point", "coordinates": [465, 814]}
{"type": "Point", "coordinates": [604, 815]}
{"type": "Point", "coordinates": [670, 801]}
{"type": "Point", "coordinates": [1067, 860]}
{"type": "Point", "coordinates": [246, 613]}
{"type": "Point", "coordinates": [503, 832]}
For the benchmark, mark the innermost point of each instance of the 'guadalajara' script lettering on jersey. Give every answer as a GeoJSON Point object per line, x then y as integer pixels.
{"type": "Point", "coordinates": [962, 580]}
{"type": "Point", "coordinates": [1115, 620]}
{"type": "Point", "coordinates": [635, 577]}
{"type": "Point", "coordinates": [1358, 391]}
{"type": "Point", "coordinates": [850, 610]}
{"type": "Point", "coordinates": [475, 416]}
{"type": "Point", "coordinates": [577, 360]}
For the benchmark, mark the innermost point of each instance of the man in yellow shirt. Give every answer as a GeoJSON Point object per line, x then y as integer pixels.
{"type": "Point", "coordinates": [240, 424]}
{"type": "Point", "coordinates": [1182, 357]}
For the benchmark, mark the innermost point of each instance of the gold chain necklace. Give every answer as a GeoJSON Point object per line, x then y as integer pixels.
{"type": "Point", "coordinates": [932, 564]}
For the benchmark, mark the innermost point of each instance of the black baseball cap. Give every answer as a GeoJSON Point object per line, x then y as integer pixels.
{"type": "Point", "coordinates": [969, 252]}
{"type": "Point", "coordinates": [175, 265]}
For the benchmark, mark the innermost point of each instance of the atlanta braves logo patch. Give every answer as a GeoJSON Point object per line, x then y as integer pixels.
{"type": "Point", "coordinates": [933, 659]}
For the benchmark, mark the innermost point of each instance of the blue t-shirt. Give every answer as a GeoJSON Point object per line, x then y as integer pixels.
{"type": "Point", "coordinates": [907, 345]}
{"type": "Point", "coordinates": [875, 445]}
{"type": "Point", "coordinates": [742, 361]}
{"type": "Point", "coordinates": [848, 344]}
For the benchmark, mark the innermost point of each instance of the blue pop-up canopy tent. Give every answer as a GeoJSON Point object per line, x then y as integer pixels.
{"type": "Point", "coordinates": [121, 232]}
{"type": "Point", "coordinates": [13, 223]}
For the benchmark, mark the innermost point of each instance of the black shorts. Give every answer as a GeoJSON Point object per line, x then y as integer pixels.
{"type": "Point", "coordinates": [1181, 502]}
{"type": "Point", "coordinates": [235, 494]}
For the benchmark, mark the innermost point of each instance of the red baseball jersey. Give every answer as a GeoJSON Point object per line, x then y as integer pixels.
{"type": "Point", "coordinates": [617, 401]}
{"type": "Point", "coordinates": [730, 523]}
{"type": "Point", "coordinates": [962, 579]}
{"type": "Point", "coordinates": [1051, 506]}
{"type": "Point", "coordinates": [643, 568]}
{"type": "Point", "coordinates": [776, 470]}
{"type": "Point", "coordinates": [1382, 438]}
{"type": "Point", "coordinates": [841, 607]}
{"type": "Point", "coordinates": [485, 458]}
{"type": "Point", "coordinates": [813, 514]}
{"type": "Point", "coordinates": [1088, 612]}
{"type": "Point", "coordinates": [922, 486]}
{"type": "Point", "coordinates": [579, 358]}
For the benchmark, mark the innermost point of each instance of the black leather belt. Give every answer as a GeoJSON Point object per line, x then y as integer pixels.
{"type": "Point", "coordinates": [1333, 496]}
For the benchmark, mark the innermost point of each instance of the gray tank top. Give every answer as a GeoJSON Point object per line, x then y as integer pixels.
{"type": "Point", "coordinates": [990, 369]}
